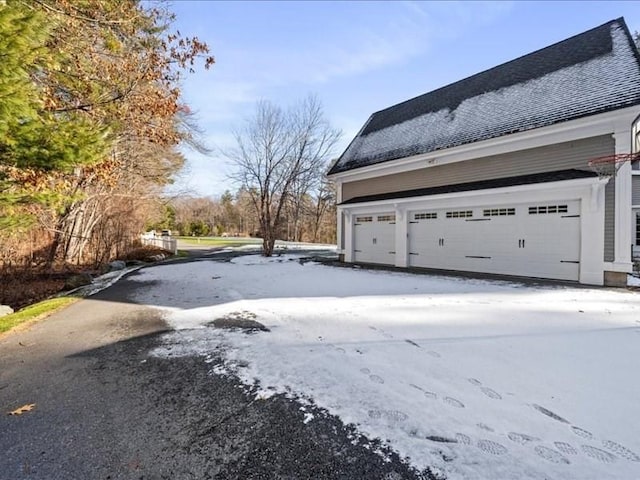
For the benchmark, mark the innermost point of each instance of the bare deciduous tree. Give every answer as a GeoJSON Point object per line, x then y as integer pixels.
{"type": "Point", "coordinates": [324, 201]}
{"type": "Point", "coordinates": [277, 151]}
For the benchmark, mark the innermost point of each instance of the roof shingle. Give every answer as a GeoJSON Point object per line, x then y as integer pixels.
{"type": "Point", "coordinates": [593, 72]}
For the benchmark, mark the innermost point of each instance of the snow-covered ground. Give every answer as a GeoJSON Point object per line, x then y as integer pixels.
{"type": "Point", "coordinates": [479, 379]}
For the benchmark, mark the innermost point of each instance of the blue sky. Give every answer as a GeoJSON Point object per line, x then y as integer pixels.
{"type": "Point", "coordinates": [357, 57]}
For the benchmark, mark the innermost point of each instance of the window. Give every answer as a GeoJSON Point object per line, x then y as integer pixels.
{"type": "Point", "coordinates": [638, 229]}
{"type": "Point", "coordinates": [364, 219]}
{"type": "Point", "coordinates": [460, 214]}
{"type": "Point", "coordinates": [547, 209]}
{"type": "Point", "coordinates": [386, 218]}
{"type": "Point", "coordinates": [425, 216]}
{"type": "Point", "coordinates": [501, 212]}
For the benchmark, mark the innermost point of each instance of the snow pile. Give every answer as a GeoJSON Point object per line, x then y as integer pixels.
{"type": "Point", "coordinates": [101, 282]}
{"type": "Point", "coordinates": [633, 281]}
{"type": "Point", "coordinates": [479, 379]}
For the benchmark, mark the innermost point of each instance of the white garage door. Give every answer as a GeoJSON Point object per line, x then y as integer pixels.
{"type": "Point", "coordinates": [374, 238]}
{"type": "Point", "coordinates": [534, 239]}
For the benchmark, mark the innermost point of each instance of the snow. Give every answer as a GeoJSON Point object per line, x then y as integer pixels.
{"type": "Point", "coordinates": [633, 281]}
{"type": "Point", "coordinates": [602, 82]}
{"type": "Point", "coordinates": [531, 382]}
{"type": "Point", "coordinates": [101, 282]}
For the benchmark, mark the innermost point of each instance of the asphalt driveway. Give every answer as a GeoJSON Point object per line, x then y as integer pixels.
{"type": "Point", "coordinates": [106, 409]}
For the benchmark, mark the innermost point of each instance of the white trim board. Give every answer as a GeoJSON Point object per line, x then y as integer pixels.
{"type": "Point", "coordinates": [566, 185]}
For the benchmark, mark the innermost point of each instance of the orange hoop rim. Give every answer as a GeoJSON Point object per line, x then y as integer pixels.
{"type": "Point", "coordinates": [615, 159]}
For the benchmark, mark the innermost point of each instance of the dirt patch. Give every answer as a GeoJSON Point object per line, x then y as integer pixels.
{"type": "Point", "coordinates": [146, 253]}
{"type": "Point", "coordinates": [241, 321]}
{"type": "Point", "coordinates": [25, 287]}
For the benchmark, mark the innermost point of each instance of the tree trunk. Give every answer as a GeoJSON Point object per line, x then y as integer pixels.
{"type": "Point", "coordinates": [53, 248]}
{"type": "Point", "coordinates": [268, 244]}
{"type": "Point", "coordinates": [58, 236]}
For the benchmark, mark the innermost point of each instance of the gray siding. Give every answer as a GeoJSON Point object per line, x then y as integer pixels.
{"type": "Point", "coordinates": [609, 220]}
{"type": "Point", "coordinates": [635, 190]}
{"type": "Point", "coordinates": [536, 160]}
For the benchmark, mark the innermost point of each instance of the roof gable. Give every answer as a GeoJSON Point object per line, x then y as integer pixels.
{"type": "Point", "coordinates": [593, 72]}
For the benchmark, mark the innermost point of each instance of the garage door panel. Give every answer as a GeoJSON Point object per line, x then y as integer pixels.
{"type": "Point", "coordinates": [374, 238]}
{"type": "Point", "coordinates": [537, 240]}
{"type": "Point", "coordinates": [552, 239]}
{"type": "Point", "coordinates": [424, 240]}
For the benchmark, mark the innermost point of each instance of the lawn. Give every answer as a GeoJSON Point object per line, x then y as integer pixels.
{"type": "Point", "coordinates": [220, 241]}
{"type": "Point", "coordinates": [474, 378]}
{"type": "Point", "coordinates": [34, 312]}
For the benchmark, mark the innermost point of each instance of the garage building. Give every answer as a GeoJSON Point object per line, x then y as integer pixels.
{"type": "Point", "coordinates": [492, 173]}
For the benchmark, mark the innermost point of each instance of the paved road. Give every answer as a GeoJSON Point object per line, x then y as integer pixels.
{"type": "Point", "coordinates": [105, 409]}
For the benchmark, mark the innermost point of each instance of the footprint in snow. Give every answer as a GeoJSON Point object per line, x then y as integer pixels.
{"type": "Point", "coordinates": [453, 402]}
{"type": "Point", "coordinates": [621, 450]}
{"type": "Point", "coordinates": [491, 393]}
{"type": "Point", "coordinates": [484, 426]}
{"type": "Point", "coordinates": [433, 354]}
{"type": "Point", "coordinates": [395, 415]}
{"type": "Point", "coordinates": [341, 350]}
{"type": "Point", "coordinates": [551, 455]}
{"type": "Point", "coordinates": [427, 393]}
{"type": "Point", "coordinates": [494, 448]}
{"type": "Point", "coordinates": [474, 381]}
{"type": "Point", "coordinates": [463, 439]}
{"type": "Point", "coordinates": [440, 439]}
{"type": "Point", "coordinates": [565, 448]}
{"type": "Point", "coordinates": [581, 432]}
{"type": "Point", "coordinates": [411, 342]}
{"type": "Point", "coordinates": [375, 414]}
{"type": "Point", "coordinates": [521, 438]}
{"type": "Point", "coordinates": [366, 371]}
{"type": "Point", "coordinates": [390, 415]}
{"type": "Point", "coordinates": [376, 379]}
{"type": "Point", "coordinates": [549, 413]}
{"type": "Point", "coordinates": [596, 453]}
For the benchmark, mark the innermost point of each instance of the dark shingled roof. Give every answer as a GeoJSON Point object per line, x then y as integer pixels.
{"type": "Point", "coordinates": [478, 185]}
{"type": "Point", "coordinates": [593, 72]}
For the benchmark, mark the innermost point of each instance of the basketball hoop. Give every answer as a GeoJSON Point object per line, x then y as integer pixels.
{"type": "Point", "coordinates": [609, 165]}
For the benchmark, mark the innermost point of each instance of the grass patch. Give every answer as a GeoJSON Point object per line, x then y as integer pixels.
{"type": "Point", "coordinates": [34, 312]}
{"type": "Point", "coordinates": [220, 241]}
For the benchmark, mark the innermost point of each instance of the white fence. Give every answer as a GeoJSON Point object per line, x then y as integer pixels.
{"type": "Point", "coordinates": [167, 243]}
